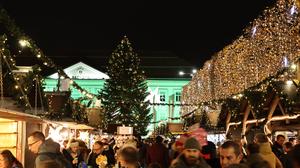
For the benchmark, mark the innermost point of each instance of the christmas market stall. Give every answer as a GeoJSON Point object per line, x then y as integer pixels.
{"type": "Point", "coordinates": [62, 130]}
{"type": "Point", "coordinates": [169, 129]}
{"type": "Point", "coordinates": [15, 126]}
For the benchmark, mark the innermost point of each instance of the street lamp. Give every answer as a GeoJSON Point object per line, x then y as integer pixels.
{"type": "Point", "coordinates": [181, 73]}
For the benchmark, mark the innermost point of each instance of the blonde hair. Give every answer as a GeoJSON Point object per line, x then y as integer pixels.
{"type": "Point", "coordinates": [72, 143]}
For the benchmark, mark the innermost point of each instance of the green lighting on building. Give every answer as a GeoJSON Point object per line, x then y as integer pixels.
{"type": "Point", "coordinates": [161, 90]}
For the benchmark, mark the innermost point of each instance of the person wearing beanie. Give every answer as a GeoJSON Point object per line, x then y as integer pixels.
{"type": "Point", "coordinates": [190, 157]}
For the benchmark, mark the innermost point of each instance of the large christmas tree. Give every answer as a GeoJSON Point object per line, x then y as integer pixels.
{"type": "Point", "coordinates": [124, 93]}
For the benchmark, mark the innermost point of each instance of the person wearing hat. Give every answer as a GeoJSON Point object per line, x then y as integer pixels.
{"type": "Point", "coordinates": [72, 154]}
{"type": "Point", "coordinates": [190, 156]}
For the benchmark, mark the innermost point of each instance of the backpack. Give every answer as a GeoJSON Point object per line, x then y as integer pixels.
{"type": "Point", "coordinates": [58, 158]}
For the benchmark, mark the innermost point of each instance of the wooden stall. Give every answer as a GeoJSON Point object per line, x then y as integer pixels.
{"type": "Point", "coordinates": [15, 127]}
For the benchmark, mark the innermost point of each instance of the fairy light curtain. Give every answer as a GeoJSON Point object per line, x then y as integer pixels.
{"type": "Point", "coordinates": [269, 44]}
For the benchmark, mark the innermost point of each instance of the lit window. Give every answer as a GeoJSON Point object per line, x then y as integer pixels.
{"type": "Point", "coordinates": [177, 96]}
{"type": "Point", "coordinates": [162, 97]}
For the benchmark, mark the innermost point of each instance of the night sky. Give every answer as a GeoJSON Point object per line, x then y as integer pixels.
{"type": "Point", "coordinates": [191, 30]}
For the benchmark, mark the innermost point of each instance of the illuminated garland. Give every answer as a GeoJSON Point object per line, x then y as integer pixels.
{"type": "Point", "coordinates": [269, 45]}
{"type": "Point", "coordinates": [79, 113]}
{"type": "Point", "coordinates": [26, 41]}
{"type": "Point", "coordinates": [11, 64]}
{"type": "Point", "coordinates": [171, 104]}
{"type": "Point", "coordinates": [283, 85]}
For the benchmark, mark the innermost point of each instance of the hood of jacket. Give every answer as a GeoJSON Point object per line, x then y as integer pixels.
{"type": "Point", "coordinates": [49, 146]}
{"type": "Point", "coordinates": [265, 148]}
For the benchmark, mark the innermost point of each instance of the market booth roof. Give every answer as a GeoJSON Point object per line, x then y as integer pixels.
{"type": "Point", "coordinates": [72, 125]}
{"type": "Point", "coordinates": [19, 116]}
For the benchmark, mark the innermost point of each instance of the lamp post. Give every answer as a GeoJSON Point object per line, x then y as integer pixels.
{"type": "Point", "coordinates": [182, 73]}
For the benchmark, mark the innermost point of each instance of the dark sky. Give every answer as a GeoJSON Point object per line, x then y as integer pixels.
{"type": "Point", "coordinates": [193, 30]}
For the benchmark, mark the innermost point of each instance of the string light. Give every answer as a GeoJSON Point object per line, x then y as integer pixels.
{"type": "Point", "coordinates": [278, 118]}
{"type": "Point", "coordinates": [265, 48]}
{"type": "Point", "coordinates": [24, 43]}
{"type": "Point", "coordinates": [15, 31]}
{"type": "Point", "coordinates": [285, 62]}
{"type": "Point", "coordinates": [253, 31]}
{"type": "Point", "coordinates": [289, 82]}
{"type": "Point", "coordinates": [293, 66]}
{"type": "Point", "coordinates": [293, 10]}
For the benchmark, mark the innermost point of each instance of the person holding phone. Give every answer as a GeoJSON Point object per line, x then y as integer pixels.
{"type": "Point", "coordinates": [73, 154]}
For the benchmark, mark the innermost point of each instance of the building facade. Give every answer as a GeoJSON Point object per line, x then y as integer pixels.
{"type": "Point", "coordinates": [164, 94]}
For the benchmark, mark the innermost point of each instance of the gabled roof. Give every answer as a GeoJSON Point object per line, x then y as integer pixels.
{"type": "Point", "coordinates": [81, 70]}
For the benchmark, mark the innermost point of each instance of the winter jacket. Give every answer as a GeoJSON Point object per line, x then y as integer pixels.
{"type": "Point", "coordinates": [49, 152]}
{"type": "Point", "coordinates": [68, 156]}
{"type": "Point", "coordinates": [181, 163]}
{"type": "Point", "coordinates": [278, 150]}
{"type": "Point", "coordinates": [266, 153]}
{"type": "Point", "coordinates": [287, 161]}
{"type": "Point", "coordinates": [158, 153]}
{"type": "Point", "coordinates": [254, 158]}
{"type": "Point", "coordinates": [92, 160]}
{"type": "Point", "coordinates": [110, 154]}
{"type": "Point", "coordinates": [209, 152]}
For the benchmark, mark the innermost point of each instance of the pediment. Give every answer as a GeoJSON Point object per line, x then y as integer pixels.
{"type": "Point", "coordinates": [81, 70]}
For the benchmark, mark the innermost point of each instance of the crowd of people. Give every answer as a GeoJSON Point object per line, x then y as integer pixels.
{"type": "Point", "coordinates": [193, 152]}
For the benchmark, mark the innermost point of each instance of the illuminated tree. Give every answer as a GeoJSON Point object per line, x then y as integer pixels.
{"type": "Point", "coordinates": [124, 93]}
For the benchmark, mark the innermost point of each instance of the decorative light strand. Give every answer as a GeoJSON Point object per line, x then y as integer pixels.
{"type": "Point", "coordinates": [250, 59]}
{"type": "Point", "coordinates": [26, 41]}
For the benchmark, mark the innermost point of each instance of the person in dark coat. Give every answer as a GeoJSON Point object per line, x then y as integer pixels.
{"type": "Point", "coordinates": [46, 150]}
{"type": "Point", "coordinates": [108, 151]}
{"type": "Point", "coordinates": [158, 153]}
{"type": "Point", "coordinates": [209, 152]}
{"type": "Point", "coordinates": [96, 151]}
{"type": "Point", "coordinates": [296, 156]}
{"type": "Point", "coordinates": [190, 157]}
{"type": "Point", "coordinates": [72, 153]}
{"type": "Point", "coordinates": [277, 147]}
{"type": "Point", "coordinates": [253, 154]}
{"type": "Point", "coordinates": [142, 151]}
{"type": "Point", "coordinates": [286, 159]}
